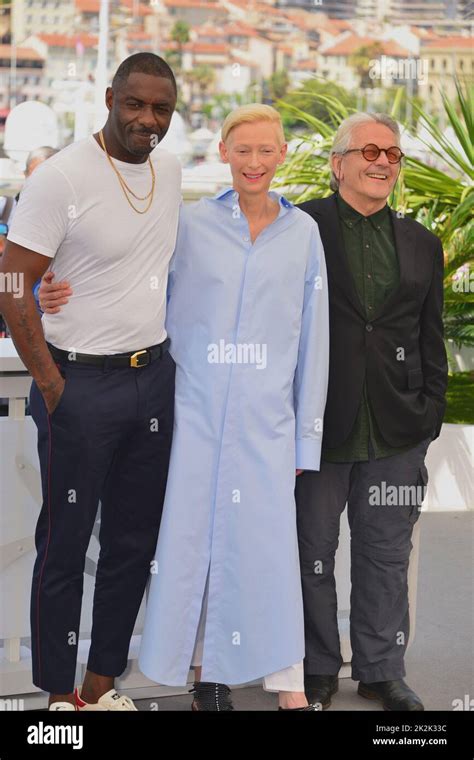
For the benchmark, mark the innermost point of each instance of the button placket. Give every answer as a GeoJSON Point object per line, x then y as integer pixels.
{"type": "Point", "coordinates": [237, 215]}
{"type": "Point", "coordinates": [368, 268]}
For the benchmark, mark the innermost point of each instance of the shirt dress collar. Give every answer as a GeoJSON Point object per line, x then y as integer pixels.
{"type": "Point", "coordinates": [230, 197]}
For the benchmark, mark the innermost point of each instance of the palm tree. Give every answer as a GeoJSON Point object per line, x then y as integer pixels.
{"type": "Point", "coordinates": [278, 84]}
{"type": "Point", "coordinates": [307, 99]}
{"type": "Point", "coordinates": [360, 61]}
{"type": "Point", "coordinates": [180, 35]}
{"type": "Point", "coordinates": [221, 104]}
{"type": "Point", "coordinates": [306, 173]}
{"type": "Point", "coordinates": [203, 77]}
{"type": "Point", "coordinates": [441, 198]}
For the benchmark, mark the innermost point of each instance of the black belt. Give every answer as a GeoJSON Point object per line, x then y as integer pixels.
{"type": "Point", "coordinates": [132, 359]}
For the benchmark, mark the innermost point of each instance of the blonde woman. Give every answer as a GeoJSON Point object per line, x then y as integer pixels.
{"type": "Point", "coordinates": [248, 322]}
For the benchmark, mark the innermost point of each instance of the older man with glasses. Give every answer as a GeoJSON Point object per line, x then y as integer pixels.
{"type": "Point", "coordinates": [387, 382]}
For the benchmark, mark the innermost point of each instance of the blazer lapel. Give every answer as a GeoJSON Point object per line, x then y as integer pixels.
{"type": "Point", "coordinates": [336, 258]}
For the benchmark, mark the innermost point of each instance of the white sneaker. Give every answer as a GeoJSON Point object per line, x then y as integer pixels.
{"type": "Point", "coordinates": [61, 706]}
{"type": "Point", "coordinates": [111, 700]}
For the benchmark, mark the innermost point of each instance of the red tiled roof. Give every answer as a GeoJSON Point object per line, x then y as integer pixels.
{"type": "Point", "coordinates": [304, 65]}
{"type": "Point", "coordinates": [337, 23]}
{"type": "Point", "coordinates": [334, 26]}
{"type": "Point", "coordinates": [353, 43]}
{"type": "Point", "coordinates": [235, 58]}
{"type": "Point", "coordinates": [140, 8]}
{"type": "Point", "coordinates": [22, 53]}
{"type": "Point", "coordinates": [217, 48]}
{"type": "Point", "coordinates": [239, 29]}
{"type": "Point", "coordinates": [93, 6]}
{"type": "Point", "coordinates": [88, 6]}
{"type": "Point", "coordinates": [207, 30]}
{"type": "Point", "coordinates": [419, 31]}
{"type": "Point", "coordinates": [204, 4]}
{"type": "Point", "coordinates": [449, 43]}
{"type": "Point", "coordinates": [268, 10]}
{"type": "Point", "coordinates": [139, 36]}
{"type": "Point", "coordinates": [69, 41]}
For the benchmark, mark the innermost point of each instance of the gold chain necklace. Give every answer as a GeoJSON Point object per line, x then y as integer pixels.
{"type": "Point", "coordinates": [125, 188]}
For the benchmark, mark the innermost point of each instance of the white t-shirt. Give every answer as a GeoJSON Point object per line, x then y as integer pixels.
{"type": "Point", "coordinates": [72, 208]}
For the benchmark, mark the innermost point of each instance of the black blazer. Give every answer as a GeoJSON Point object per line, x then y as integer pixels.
{"type": "Point", "coordinates": [400, 349]}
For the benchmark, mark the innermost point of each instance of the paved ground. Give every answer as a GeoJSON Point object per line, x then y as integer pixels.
{"type": "Point", "coordinates": [440, 660]}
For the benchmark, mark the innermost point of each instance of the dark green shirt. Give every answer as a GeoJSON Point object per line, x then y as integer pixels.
{"type": "Point", "coordinates": [372, 257]}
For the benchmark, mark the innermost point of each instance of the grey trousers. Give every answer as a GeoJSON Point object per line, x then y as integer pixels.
{"type": "Point", "coordinates": [384, 498]}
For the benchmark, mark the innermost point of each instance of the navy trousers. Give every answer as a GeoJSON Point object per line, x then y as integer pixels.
{"type": "Point", "coordinates": [108, 439]}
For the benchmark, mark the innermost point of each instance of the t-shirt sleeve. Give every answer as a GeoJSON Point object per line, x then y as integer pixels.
{"type": "Point", "coordinates": [44, 212]}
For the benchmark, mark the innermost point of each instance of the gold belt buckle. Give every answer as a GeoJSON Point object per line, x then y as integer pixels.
{"type": "Point", "coordinates": [134, 360]}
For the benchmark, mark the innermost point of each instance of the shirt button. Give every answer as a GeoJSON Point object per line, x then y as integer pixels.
{"type": "Point", "coordinates": [350, 224]}
{"type": "Point", "coordinates": [367, 245]}
{"type": "Point", "coordinates": [369, 327]}
{"type": "Point", "coordinates": [366, 220]}
{"type": "Point", "coordinates": [369, 276]}
{"type": "Point", "coordinates": [246, 239]}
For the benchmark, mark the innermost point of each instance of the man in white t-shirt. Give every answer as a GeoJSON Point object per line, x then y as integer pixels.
{"type": "Point", "coordinates": [102, 215]}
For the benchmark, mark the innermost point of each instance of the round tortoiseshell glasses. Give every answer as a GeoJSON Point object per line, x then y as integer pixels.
{"type": "Point", "coordinates": [371, 152]}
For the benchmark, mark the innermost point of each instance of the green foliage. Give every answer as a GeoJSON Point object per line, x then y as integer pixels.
{"type": "Point", "coordinates": [460, 399]}
{"type": "Point", "coordinates": [440, 197]}
{"type": "Point", "coordinates": [310, 99]}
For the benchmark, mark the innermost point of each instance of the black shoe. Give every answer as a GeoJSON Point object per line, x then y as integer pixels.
{"type": "Point", "coordinates": [319, 689]}
{"type": "Point", "coordinates": [394, 695]}
{"type": "Point", "coordinates": [211, 696]}
{"type": "Point", "coordinates": [309, 708]}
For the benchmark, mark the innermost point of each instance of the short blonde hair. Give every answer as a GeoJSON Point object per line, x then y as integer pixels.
{"type": "Point", "coordinates": [249, 114]}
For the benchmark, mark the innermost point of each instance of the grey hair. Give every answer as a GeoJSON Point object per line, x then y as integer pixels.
{"type": "Point", "coordinates": [40, 154]}
{"type": "Point", "coordinates": [342, 138]}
